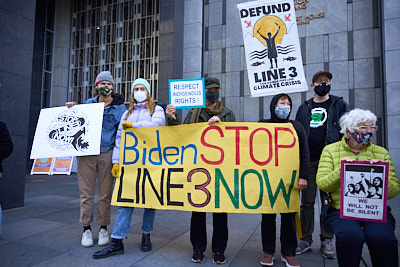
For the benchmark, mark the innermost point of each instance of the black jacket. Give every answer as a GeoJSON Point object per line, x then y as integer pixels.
{"type": "Point", "coordinates": [337, 108]}
{"type": "Point", "coordinates": [6, 145]}
{"type": "Point", "coordinates": [303, 142]}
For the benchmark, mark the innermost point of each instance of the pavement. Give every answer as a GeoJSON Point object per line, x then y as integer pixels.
{"type": "Point", "coordinates": [46, 232]}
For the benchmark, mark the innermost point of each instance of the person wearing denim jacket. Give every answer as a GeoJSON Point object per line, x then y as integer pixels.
{"type": "Point", "coordinates": [142, 112]}
{"type": "Point", "coordinates": [90, 167]}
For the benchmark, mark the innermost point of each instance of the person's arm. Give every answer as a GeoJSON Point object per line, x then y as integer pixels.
{"type": "Point", "coordinates": [6, 144]}
{"type": "Point", "coordinates": [115, 155]}
{"type": "Point", "coordinates": [279, 27]}
{"type": "Point", "coordinates": [304, 156]}
{"type": "Point", "coordinates": [393, 181]}
{"type": "Point", "coordinates": [328, 175]}
{"type": "Point", "coordinates": [344, 108]}
{"type": "Point", "coordinates": [172, 117]}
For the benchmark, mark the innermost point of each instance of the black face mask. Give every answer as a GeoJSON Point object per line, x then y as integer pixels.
{"type": "Point", "coordinates": [322, 89]}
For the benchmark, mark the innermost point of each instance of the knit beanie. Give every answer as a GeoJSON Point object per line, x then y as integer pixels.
{"type": "Point", "coordinates": [143, 82]}
{"type": "Point", "coordinates": [104, 76]}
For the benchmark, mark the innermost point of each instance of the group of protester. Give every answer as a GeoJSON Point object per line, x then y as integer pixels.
{"type": "Point", "coordinates": [327, 134]}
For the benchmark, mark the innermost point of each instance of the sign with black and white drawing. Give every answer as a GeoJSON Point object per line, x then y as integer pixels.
{"type": "Point", "coordinates": [63, 131]}
{"type": "Point", "coordinates": [364, 190]}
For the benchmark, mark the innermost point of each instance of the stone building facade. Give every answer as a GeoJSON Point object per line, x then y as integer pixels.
{"type": "Point", "coordinates": [358, 41]}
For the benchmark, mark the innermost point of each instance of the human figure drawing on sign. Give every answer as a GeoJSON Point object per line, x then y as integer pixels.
{"type": "Point", "coordinates": [272, 53]}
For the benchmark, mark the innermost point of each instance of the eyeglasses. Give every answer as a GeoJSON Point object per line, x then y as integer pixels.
{"type": "Point", "coordinates": [366, 128]}
{"type": "Point", "coordinates": [319, 81]}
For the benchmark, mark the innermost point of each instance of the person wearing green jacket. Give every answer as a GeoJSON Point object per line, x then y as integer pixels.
{"type": "Point", "coordinates": [213, 112]}
{"type": "Point", "coordinates": [358, 127]}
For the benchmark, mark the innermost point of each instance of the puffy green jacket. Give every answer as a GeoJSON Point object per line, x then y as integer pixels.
{"type": "Point", "coordinates": [328, 175]}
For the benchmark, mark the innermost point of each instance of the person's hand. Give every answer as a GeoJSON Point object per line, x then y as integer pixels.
{"type": "Point", "coordinates": [170, 111]}
{"type": "Point", "coordinates": [347, 159]}
{"type": "Point", "coordinates": [373, 161]}
{"type": "Point", "coordinates": [126, 124]}
{"type": "Point", "coordinates": [302, 184]}
{"type": "Point", "coordinates": [70, 104]}
{"type": "Point", "coordinates": [214, 119]}
{"type": "Point", "coordinates": [115, 170]}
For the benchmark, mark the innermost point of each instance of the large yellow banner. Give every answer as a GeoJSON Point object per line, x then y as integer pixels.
{"type": "Point", "coordinates": [229, 167]}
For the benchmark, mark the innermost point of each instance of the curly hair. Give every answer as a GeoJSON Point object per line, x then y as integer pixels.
{"type": "Point", "coordinates": [350, 120]}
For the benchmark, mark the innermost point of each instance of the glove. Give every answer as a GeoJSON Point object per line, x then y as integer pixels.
{"type": "Point", "coordinates": [115, 170]}
{"type": "Point", "coordinates": [126, 124]}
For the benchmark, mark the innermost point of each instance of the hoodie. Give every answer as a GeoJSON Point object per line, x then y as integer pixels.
{"type": "Point", "coordinates": [303, 149]}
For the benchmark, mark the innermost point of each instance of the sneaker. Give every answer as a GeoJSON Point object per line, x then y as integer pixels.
{"type": "Point", "coordinates": [327, 249]}
{"type": "Point", "coordinates": [219, 258]}
{"type": "Point", "coordinates": [267, 259]}
{"type": "Point", "coordinates": [198, 257]}
{"type": "Point", "coordinates": [103, 237]}
{"type": "Point", "coordinates": [290, 261]}
{"type": "Point", "coordinates": [87, 239]}
{"type": "Point", "coordinates": [303, 246]}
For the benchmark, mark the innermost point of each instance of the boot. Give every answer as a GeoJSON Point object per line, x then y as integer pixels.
{"type": "Point", "coordinates": [115, 247]}
{"type": "Point", "coordinates": [146, 243]}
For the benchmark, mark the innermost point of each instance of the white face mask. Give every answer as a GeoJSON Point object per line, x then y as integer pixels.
{"type": "Point", "coordinates": [140, 96]}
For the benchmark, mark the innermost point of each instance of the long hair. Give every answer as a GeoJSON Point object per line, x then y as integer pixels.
{"type": "Point", "coordinates": [150, 105]}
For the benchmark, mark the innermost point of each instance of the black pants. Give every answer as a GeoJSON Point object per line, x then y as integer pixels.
{"type": "Point", "coordinates": [288, 233]}
{"type": "Point", "coordinates": [198, 232]}
{"type": "Point", "coordinates": [352, 234]}
{"type": "Point", "coordinates": [307, 207]}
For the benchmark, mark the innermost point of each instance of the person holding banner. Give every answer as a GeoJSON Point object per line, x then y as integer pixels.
{"type": "Point", "coordinates": [214, 112]}
{"type": "Point", "coordinates": [90, 167]}
{"type": "Point", "coordinates": [358, 127]}
{"type": "Point", "coordinates": [320, 118]}
{"type": "Point", "coordinates": [142, 112]}
{"type": "Point", "coordinates": [6, 148]}
{"type": "Point", "coordinates": [280, 108]}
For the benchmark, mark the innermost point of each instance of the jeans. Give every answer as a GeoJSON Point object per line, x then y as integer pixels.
{"type": "Point", "coordinates": [307, 207]}
{"type": "Point", "coordinates": [288, 233]}
{"type": "Point", "coordinates": [198, 232]}
{"type": "Point", "coordinates": [351, 235]}
{"type": "Point", "coordinates": [123, 222]}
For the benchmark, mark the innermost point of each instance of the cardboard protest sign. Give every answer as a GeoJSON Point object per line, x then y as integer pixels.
{"type": "Point", "coordinates": [62, 165]}
{"type": "Point", "coordinates": [271, 42]}
{"type": "Point", "coordinates": [42, 166]}
{"type": "Point", "coordinates": [227, 167]}
{"type": "Point", "coordinates": [187, 93]}
{"type": "Point", "coordinates": [364, 191]}
{"type": "Point", "coordinates": [63, 131]}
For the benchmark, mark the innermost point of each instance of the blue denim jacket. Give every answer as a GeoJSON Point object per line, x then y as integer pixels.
{"type": "Point", "coordinates": [111, 118]}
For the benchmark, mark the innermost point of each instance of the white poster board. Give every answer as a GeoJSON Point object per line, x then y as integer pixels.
{"type": "Point", "coordinates": [272, 47]}
{"type": "Point", "coordinates": [187, 93]}
{"type": "Point", "coordinates": [63, 131]}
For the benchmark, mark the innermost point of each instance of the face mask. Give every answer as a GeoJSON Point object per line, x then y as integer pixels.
{"type": "Point", "coordinates": [104, 91]}
{"type": "Point", "coordinates": [282, 112]}
{"type": "Point", "coordinates": [140, 96]}
{"type": "Point", "coordinates": [363, 139]}
{"type": "Point", "coordinates": [322, 89]}
{"type": "Point", "coordinates": [212, 96]}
